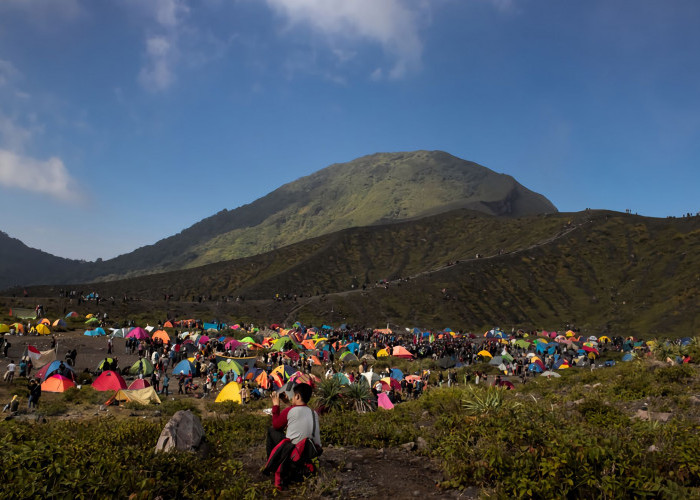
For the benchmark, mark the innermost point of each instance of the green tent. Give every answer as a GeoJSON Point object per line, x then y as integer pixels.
{"type": "Point", "coordinates": [228, 364]}
{"type": "Point", "coordinates": [143, 365]}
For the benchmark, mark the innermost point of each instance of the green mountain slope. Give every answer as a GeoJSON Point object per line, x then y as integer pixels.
{"type": "Point", "coordinates": [600, 270]}
{"type": "Point", "coordinates": [374, 189]}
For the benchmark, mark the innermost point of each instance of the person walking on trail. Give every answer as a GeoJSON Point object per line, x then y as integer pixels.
{"type": "Point", "coordinates": [10, 373]}
{"type": "Point", "coordinates": [296, 422]}
{"type": "Point", "coordinates": [166, 382]}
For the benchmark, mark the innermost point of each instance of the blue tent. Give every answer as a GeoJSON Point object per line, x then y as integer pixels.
{"type": "Point", "coordinates": [534, 367]}
{"type": "Point", "coordinates": [353, 347]}
{"type": "Point", "coordinates": [628, 357]}
{"type": "Point", "coordinates": [212, 326]}
{"type": "Point", "coordinates": [53, 368]}
{"type": "Point", "coordinates": [396, 373]}
{"type": "Point", "coordinates": [184, 366]}
{"type": "Point", "coordinates": [686, 340]}
{"type": "Point", "coordinates": [97, 332]}
{"type": "Point", "coordinates": [326, 327]}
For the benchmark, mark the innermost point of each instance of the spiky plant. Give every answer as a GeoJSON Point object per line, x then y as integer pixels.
{"type": "Point", "coordinates": [359, 396]}
{"type": "Point", "coordinates": [329, 394]}
{"type": "Point", "coordinates": [483, 401]}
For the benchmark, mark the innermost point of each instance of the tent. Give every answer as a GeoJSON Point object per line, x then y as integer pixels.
{"type": "Point", "coordinates": [97, 332]}
{"type": "Point", "coordinates": [382, 353]}
{"type": "Point", "coordinates": [396, 373]}
{"type": "Point", "coordinates": [384, 402]}
{"type": "Point", "coordinates": [550, 373]}
{"type": "Point", "coordinates": [143, 366]}
{"type": "Point", "coordinates": [4, 328]}
{"type": "Point", "coordinates": [92, 321]}
{"type": "Point", "coordinates": [52, 368]}
{"type": "Point", "coordinates": [144, 396]}
{"type": "Point", "coordinates": [389, 383]}
{"type": "Point", "coordinates": [59, 323]}
{"type": "Point", "coordinates": [348, 357]}
{"type": "Point", "coordinates": [72, 314]}
{"type": "Point", "coordinates": [109, 381]}
{"type": "Point", "coordinates": [185, 366]}
{"type": "Point", "coordinates": [230, 392]}
{"type": "Point", "coordinates": [44, 321]}
{"type": "Point", "coordinates": [484, 353]}
{"type": "Point", "coordinates": [401, 352]}
{"type": "Point", "coordinates": [42, 329]}
{"type": "Point", "coordinates": [162, 335]}
{"type": "Point", "coordinates": [139, 383]}
{"type": "Point", "coordinates": [138, 333]}
{"type": "Point", "coordinates": [228, 364]}
{"type": "Point", "coordinates": [56, 383]}
{"type": "Point", "coordinates": [107, 361]}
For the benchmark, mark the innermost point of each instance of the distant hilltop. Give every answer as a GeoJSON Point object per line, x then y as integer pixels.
{"type": "Point", "coordinates": [375, 189]}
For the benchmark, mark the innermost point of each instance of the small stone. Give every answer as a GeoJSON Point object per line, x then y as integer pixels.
{"type": "Point", "coordinates": [349, 466]}
{"type": "Point", "coordinates": [157, 413]}
{"type": "Point", "coordinates": [103, 408]}
{"type": "Point", "coordinates": [652, 448]}
{"type": "Point", "coordinates": [421, 443]}
{"type": "Point", "coordinates": [408, 446]}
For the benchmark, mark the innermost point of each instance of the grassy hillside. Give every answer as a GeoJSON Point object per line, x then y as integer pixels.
{"type": "Point", "coordinates": [602, 271]}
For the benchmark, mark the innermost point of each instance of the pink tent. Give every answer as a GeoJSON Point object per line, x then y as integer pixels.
{"type": "Point", "coordinates": [109, 381]}
{"type": "Point", "coordinates": [234, 344]}
{"type": "Point", "coordinates": [138, 333]}
{"type": "Point", "coordinates": [383, 401]}
{"type": "Point", "coordinates": [139, 383]}
{"type": "Point", "coordinates": [203, 339]}
{"type": "Point", "coordinates": [401, 352]}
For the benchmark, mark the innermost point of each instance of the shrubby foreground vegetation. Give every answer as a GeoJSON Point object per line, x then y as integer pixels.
{"type": "Point", "coordinates": [576, 437]}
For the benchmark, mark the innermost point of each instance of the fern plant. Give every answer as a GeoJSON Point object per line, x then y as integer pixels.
{"type": "Point", "coordinates": [483, 402]}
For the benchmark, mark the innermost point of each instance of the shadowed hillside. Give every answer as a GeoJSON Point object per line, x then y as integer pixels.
{"type": "Point", "coordinates": [601, 270]}
{"type": "Point", "coordinates": [374, 189]}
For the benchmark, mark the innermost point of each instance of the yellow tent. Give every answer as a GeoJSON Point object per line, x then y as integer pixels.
{"type": "Point", "coordinates": [143, 396]}
{"type": "Point", "coordinates": [484, 352]}
{"type": "Point", "coordinates": [570, 333]}
{"type": "Point", "coordinates": [382, 353]}
{"type": "Point", "coordinates": [230, 392]}
{"type": "Point", "coordinates": [604, 338]}
{"type": "Point", "coordinates": [42, 329]}
{"type": "Point", "coordinates": [89, 316]}
{"type": "Point", "coordinates": [4, 328]}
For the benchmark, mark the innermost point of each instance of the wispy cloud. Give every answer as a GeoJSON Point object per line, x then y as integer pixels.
{"type": "Point", "coordinates": [157, 73]}
{"type": "Point", "coordinates": [165, 20]}
{"type": "Point", "coordinates": [48, 177]}
{"type": "Point", "coordinates": [390, 23]}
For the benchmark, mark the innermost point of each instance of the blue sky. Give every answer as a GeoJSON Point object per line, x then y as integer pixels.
{"type": "Point", "coordinates": [125, 121]}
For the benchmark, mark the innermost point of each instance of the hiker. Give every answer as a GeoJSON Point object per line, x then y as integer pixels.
{"type": "Point", "coordinates": [296, 422]}
{"type": "Point", "coordinates": [166, 382]}
{"type": "Point", "coordinates": [34, 393]}
{"type": "Point", "coordinates": [10, 373]}
{"type": "Point", "coordinates": [13, 405]}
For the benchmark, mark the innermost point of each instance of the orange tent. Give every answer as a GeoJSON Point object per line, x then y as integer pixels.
{"type": "Point", "coordinates": [309, 344]}
{"type": "Point", "coordinates": [162, 335]}
{"type": "Point", "coordinates": [57, 383]}
{"type": "Point", "coordinates": [315, 360]}
{"type": "Point", "coordinates": [168, 324]}
{"type": "Point", "coordinates": [263, 381]}
{"type": "Point", "coordinates": [45, 321]}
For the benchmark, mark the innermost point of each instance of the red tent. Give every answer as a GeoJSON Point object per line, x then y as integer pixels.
{"type": "Point", "coordinates": [109, 381]}
{"type": "Point", "coordinates": [139, 383]}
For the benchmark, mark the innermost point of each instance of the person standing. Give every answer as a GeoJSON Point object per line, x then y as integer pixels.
{"type": "Point", "coordinates": [109, 345]}
{"type": "Point", "coordinates": [166, 382]}
{"type": "Point", "coordinates": [34, 393]}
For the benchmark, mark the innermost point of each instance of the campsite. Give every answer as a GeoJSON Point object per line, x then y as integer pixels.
{"type": "Point", "coordinates": [608, 418]}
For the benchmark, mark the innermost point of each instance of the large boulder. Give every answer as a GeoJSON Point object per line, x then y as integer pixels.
{"type": "Point", "coordinates": [184, 432]}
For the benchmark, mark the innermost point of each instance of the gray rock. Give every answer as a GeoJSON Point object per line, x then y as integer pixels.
{"type": "Point", "coordinates": [183, 432]}
{"type": "Point", "coordinates": [421, 443]}
{"type": "Point", "coordinates": [408, 446]}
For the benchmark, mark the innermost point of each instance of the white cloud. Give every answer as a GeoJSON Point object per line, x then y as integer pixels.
{"type": "Point", "coordinates": [390, 23]}
{"type": "Point", "coordinates": [166, 19]}
{"type": "Point", "coordinates": [44, 177]}
{"type": "Point", "coordinates": [157, 74]}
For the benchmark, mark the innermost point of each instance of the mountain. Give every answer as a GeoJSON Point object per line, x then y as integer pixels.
{"type": "Point", "coordinates": [370, 190]}
{"type": "Point", "coordinates": [601, 271]}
